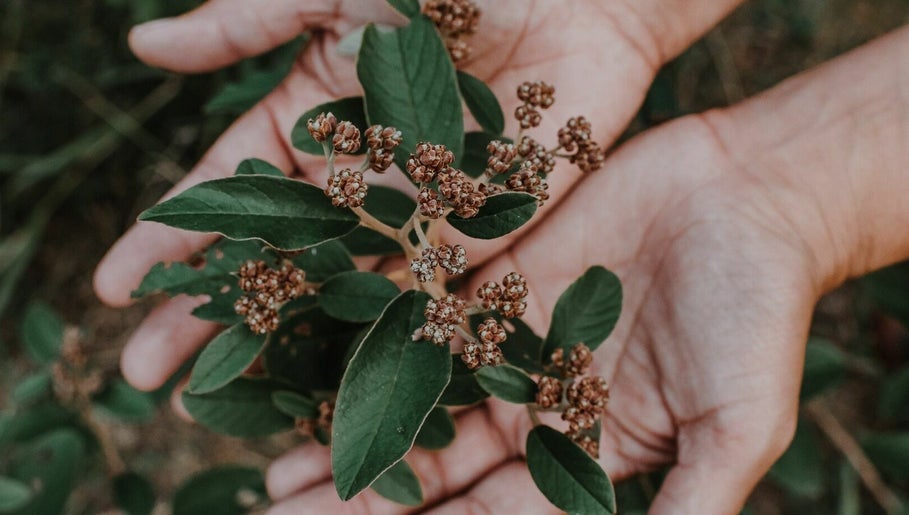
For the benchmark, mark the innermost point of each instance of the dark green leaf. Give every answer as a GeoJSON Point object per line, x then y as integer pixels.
{"type": "Point", "coordinates": [800, 469]}
{"type": "Point", "coordinates": [825, 367]}
{"type": "Point", "coordinates": [225, 358]}
{"type": "Point", "coordinates": [586, 312]}
{"type": "Point", "coordinates": [53, 462]}
{"type": "Point", "coordinates": [410, 83]}
{"type": "Point", "coordinates": [889, 287]}
{"type": "Point", "coordinates": [890, 452]}
{"type": "Point", "coordinates": [893, 400]}
{"type": "Point", "coordinates": [15, 494]}
{"type": "Point", "coordinates": [388, 390]}
{"type": "Point", "coordinates": [295, 405]}
{"type": "Point", "coordinates": [502, 214]}
{"type": "Point", "coordinates": [42, 332]}
{"type": "Point", "coordinates": [285, 213]}
{"type": "Point", "coordinates": [409, 8]}
{"type": "Point", "coordinates": [523, 348]}
{"type": "Point", "coordinates": [324, 261]}
{"type": "Point", "coordinates": [255, 166]}
{"type": "Point", "coordinates": [242, 408]}
{"type": "Point", "coordinates": [357, 296]}
{"type": "Point", "coordinates": [438, 431]}
{"type": "Point", "coordinates": [346, 109]}
{"type": "Point", "coordinates": [32, 388]}
{"type": "Point", "coordinates": [463, 389]}
{"type": "Point", "coordinates": [224, 491]}
{"type": "Point", "coordinates": [390, 206]}
{"type": "Point", "coordinates": [566, 475]}
{"type": "Point", "coordinates": [123, 402]}
{"type": "Point", "coordinates": [35, 421]}
{"type": "Point", "coordinates": [399, 484]}
{"type": "Point", "coordinates": [508, 383]}
{"type": "Point", "coordinates": [482, 103]}
{"type": "Point", "coordinates": [134, 494]}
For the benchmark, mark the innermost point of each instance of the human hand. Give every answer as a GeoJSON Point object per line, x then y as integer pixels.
{"type": "Point", "coordinates": [724, 228]}
{"type": "Point", "coordinates": [607, 54]}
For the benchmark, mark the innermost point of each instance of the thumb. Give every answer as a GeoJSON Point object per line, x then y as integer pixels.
{"type": "Point", "coordinates": [722, 457]}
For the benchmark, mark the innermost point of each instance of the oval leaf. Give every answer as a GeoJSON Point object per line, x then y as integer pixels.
{"type": "Point", "coordinates": [482, 103]}
{"type": "Point", "coordinates": [890, 452]}
{"type": "Point", "coordinates": [438, 431]}
{"type": "Point", "coordinates": [801, 468]}
{"type": "Point", "coordinates": [502, 214]}
{"type": "Point", "coordinates": [566, 475]}
{"type": "Point", "coordinates": [508, 383]}
{"type": "Point", "coordinates": [52, 461]}
{"type": "Point", "coordinates": [15, 494]}
{"type": "Point", "coordinates": [409, 83]}
{"type": "Point", "coordinates": [225, 358]}
{"type": "Point", "coordinates": [225, 491]}
{"type": "Point", "coordinates": [41, 332]}
{"type": "Point", "coordinates": [285, 213]}
{"type": "Point", "coordinates": [134, 494]}
{"type": "Point", "coordinates": [586, 312]}
{"type": "Point", "coordinates": [295, 405]}
{"type": "Point", "coordinates": [346, 109]}
{"type": "Point", "coordinates": [255, 166]}
{"type": "Point", "coordinates": [123, 402]}
{"type": "Point", "coordinates": [389, 388]}
{"type": "Point", "coordinates": [325, 260]}
{"type": "Point", "coordinates": [399, 484]}
{"type": "Point", "coordinates": [357, 296]}
{"type": "Point", "coordinates": [463, 389]}
{"type": "Point", "coordinates": [242, 408]}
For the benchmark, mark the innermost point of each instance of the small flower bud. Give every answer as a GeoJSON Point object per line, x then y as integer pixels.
{"type": "Point", "coordinates": [536, 94]}
{"type": "Point", "coordinates": [491, 332]}
{"type": "Point", "coordinates": [549, 392]}
{"type": "Point", "coordinates": [430, 205]}
{"type": "Point", "coordinates": [501, 155]}
{"type": "Point", "coordinates": [527, 116]}
{"type": "Point", "coordinates": [527, 180]}
{"type": "Point", "coordinates": [589, 157]}
{"type": "Point", "coordinates": [441, 318]}
{"type": "Point", "coordinates": [347, 188]}
{"type": "Point", "coordinates": [536, 154]}
{"type": "Point", "coordinates": [346, 139]}
{"type": "Point", "coordinates": [424, 267]}
{"type": "Point", "coordinates": [452, 259]}
{"type": "Point", "coordinates": [579, 360]}
{"type": "Point", "coordinates": [490, 293]}
{"type": "Point", "coordinates": [575, 132]}
{"type": "Point", "coordinates": [427, 160]}
{"type": "Point", "coordinates": [588, 394]}
{"type": "Point", "coordinates": [453, 17]}
{"type": "Point", "coordinates": [590, 446]}
{"type": "Point", "coordinates": [322, 127]}
{"type": "Point", "coordinates": [382, 142]}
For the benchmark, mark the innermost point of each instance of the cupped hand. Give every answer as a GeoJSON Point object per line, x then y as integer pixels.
{"type": "Point", "coordinates": [601, 56]}
{"type": "Point", "coordinates": [724, 228]}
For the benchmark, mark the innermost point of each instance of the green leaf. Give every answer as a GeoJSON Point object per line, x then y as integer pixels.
{"type": "Point", "coordinates": [438, 431]}
{"type": "Point", "coordinates": [241, 408]}
{"type": "Point", "coordinates": [893, 400]}
{"type": "Point", "coordinates": [890, 452]}
{"type": "Point", "coordinates": [566, 475]}
{"type": "Point", "coordinates": [503, 213]}
{"type": "Point", "coordinates": [409, 8]}
{"type": "Point", "coordinates": [388, 390]}
{"type": "Point", "coordinates": [463, 389]}
{"type": "Point", "coordinates": [390, 206]}
{"type": "Point", "coordinates": [523, 348]}
{"type": "Point", "coordinates": [508, 383]}
{"type": "Point", "coordinates": [285, 213]}
{"type": "Point", "coordinates": [41, 332]}
{"type": "Point", "coordinates": [225, 358]}
{"type": "Point", "coordinates": [399, 484]}
{"type": "Point", "coordinates": [889, 287]}
{"type": "Point", "coordinates": [134, 494]}
{"type": "Point", "coordinates": [295, 405]}
{"type": "Point", "coordinates": [586, 312]}
{"type": "Point", "coordinates": [800, 470]}
{"type": "Point", "coordinates": [35, 421]}
{"type": "Point", "coordinates": [32, 388]}
{"type": "Point", "coordinates": [825, 367]}
{"type": "Point", "coordinates": [482, 103]}
{"type": "Point", "coordinates": [52, 461]}
{"type": "Point", "coordinates": [225, 491]}
{"type": "Point", "coordinates": [357, 296]}
{"type": "Point", "coordinates": [346, 109]}
{"type": "Point", "coordinates": [410, 83]}
{"type": "Point", "coordinates": [255, 166]}
{"type": "Point", "coordinates": [123, 402]}
{"type": "Point", "coordinates": [324, 261]}
{"type": "Point", "coordinates": [15, 494]}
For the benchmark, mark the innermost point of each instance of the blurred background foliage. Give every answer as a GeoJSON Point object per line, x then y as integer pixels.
{"type": "Point", "coordinates": [89, 137]}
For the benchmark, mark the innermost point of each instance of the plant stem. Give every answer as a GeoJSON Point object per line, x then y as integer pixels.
{"type": "Point", "coordinates": [418, 228]}
{"type": "Point", "coordinates": [532, 412]}
{"type": "Point", "coordinates": [367, 220]}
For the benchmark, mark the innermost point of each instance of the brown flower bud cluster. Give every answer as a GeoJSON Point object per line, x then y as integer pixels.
{"type": "Point", "coordinates": [73, 380]}
{"type": "Point", "coordinates": [455, 19]}
{"type": "Point", "coordinates": [459, 191]}
{"type": "Point", "coordinates": [308, 426]}
{"type": "Point", "coordinates": [346, 139]}
{"type": "Point", "coordinates": [507, 299]}
{"type": "Point", "coordinates": [323, 127]}
{"type": "Point", "coordinates": [486, 351]}
{"type": "Point", "coordinates": [575, 137]}
{"type": "Point", "coordinates": [585, 397]}
{"type": "Point", "coordinates": [427, 161]}
{"type": "Point", "coordinates": [536, 154]}
{"type": "Point", "coordinates": [346, 188]}
{"type": "Point", "coordinates": [382, 142]}
{"type": "Point", "coordinates": [430, 204]}
{"type": "Point", "coordinates": [452, 259]}
{"type": "Point", "coordinates": [536, 94]}
{"type": "Point", "coordinates": [266, 290]}
{"type": "Point", "coordinates": [442, 316]}
{"type": "Point", "coordinates": [501, 156]}
{"type": "Point", "coordinates": [433, 163]}
{"type": "Point", "coordinates": [527, 180]}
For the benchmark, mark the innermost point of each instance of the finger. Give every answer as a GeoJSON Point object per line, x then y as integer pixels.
{"type": "Point", "coordinates": [147, 243]}
{"type": "Point", "coordinates": [721, 458]}
{"type": "Point", "coordinates": [508, 489]}
{"type": "Point", "coordinates": [176, 401]}
{"type": "Point", "coordinates": [221, 32]}
{"type": "Point", "coordinates": [298, 469]}
{"type": "Point", "coordinates": [166, 338]}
